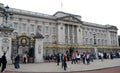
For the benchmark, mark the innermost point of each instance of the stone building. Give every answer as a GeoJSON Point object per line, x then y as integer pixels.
{"type": "Point", "coordinates": [62, 32]}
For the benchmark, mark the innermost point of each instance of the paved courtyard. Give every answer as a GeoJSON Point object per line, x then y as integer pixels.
{"type": "Point", "coordinates": [52, 67]}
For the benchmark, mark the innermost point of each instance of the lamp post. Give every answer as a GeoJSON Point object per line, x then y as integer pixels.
{"type": "Point", "coordinates": [95, 48]}
{"type": "Point", "coordinates": [6, 16]}
{"type": "Point", "coordinates": [6, 13]}
{"type": "Point", "coordinates": [5, 32]}
{"type": "Point", "coordinates": [94, 35]}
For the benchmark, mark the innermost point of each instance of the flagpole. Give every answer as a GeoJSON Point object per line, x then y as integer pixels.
{"type": "Point", "coordinates": [61, 5]}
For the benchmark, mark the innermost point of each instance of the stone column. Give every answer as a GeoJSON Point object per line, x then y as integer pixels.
{"type": "Point", "coordinates": [5, 46]}
{"type": "Point", "coordinates": [38, 47]}
{"type": "Point", "coordinates": [5, 33]}
{"type": "Point", "coordinates": [38, 50]}
{"type": "Point", "coordinates": [61, 33]}
{"type": "Point", "coordinates": [68, 35]}
{"type": "Point", "coordinates": [73, 34]}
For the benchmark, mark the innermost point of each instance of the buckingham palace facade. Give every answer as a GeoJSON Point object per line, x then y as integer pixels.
{"type": "Point", "coordinates": [62, 32]}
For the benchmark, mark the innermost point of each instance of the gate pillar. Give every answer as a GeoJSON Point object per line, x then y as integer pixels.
{"type": "Point", "coordinates": [38, 48]}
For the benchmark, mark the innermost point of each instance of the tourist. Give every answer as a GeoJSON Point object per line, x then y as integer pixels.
{"type": "Point", "coordinates": [58, 59]}
{"type": "Point", "coordinates": [73, 58]}
{"type": "Point", "coordinates": [3, 62]}
{"type": "Point", "coordinates": [78, 56]}
{"type": "Point", "coordinates": [64, 63]}
{"type": "Point", "coordinates": [87, 55]}
{"type": "Point", "coordinates": [83, 57]}
{"type": "Point", "coordinates": [17, 59]}
{"type": "Point", "coordinates": [25, 58]}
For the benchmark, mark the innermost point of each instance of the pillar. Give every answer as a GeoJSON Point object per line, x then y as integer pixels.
{"type": "Point", "coordinates": [5, 46]}
{"type": "Point", "coordinates": [38, 50]}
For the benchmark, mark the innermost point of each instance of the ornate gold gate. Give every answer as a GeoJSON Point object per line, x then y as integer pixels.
{"type": "Point", "coordinates": [24, 45]}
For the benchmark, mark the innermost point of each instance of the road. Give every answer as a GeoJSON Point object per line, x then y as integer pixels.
{"type": "Point", "coordinates": [106, 70]}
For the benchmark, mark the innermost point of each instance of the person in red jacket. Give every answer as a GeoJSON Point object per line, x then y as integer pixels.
{"type": "Point", "coordinates": [64, 62]}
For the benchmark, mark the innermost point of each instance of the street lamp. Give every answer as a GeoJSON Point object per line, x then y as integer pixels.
{"type": "Point", "coordinates": [5, 30]}
{"type": "Point", "coordinates": [94, 35]}
{"type": "Point", "coordinates": [95, 48]}
{"type": "Point", "coordinates": [7, 14]}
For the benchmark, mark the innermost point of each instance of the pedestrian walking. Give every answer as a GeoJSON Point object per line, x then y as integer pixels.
{"type": "Point", "coordinates": [87, 58]}
{"type": "Point", "coordinates": [0, 62]}
{"type": "Point", "coordinates": [25, 59]}
{"type": "Point", "coordinates": [58, 59]}
{"type": "Point", "coordinates": [64, 63]}
{"type": "Point", "coordinates": [3, 62]}
{"type": "Point", "coordinates": [83, 57]}
{"type": "Point", "coordinates": [73, 58]}
{"type": "Point", "coordinates": [78, 58]}
{"type": "Point", "coordinates": [111, 55]}
{"type": "Point", "coordinates": [17, 59]}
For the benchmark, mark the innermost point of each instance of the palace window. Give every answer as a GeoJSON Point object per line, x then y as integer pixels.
{"type": "Point", "coordinates": [15, 25]}
{"type": "Point", "coordinates": [75, 34]}
{"type": "Point", "coordinates": [46, 29]}
{"type": "Point", "coordinates": [85, 33]}
{"type": "Point", "coordinates": [15, 34]}
{"type": "Point", "coordinates": [91, 41]}
{"type": "Point", "coordinates": [105, 42]}
{"type": "Point", "coordinates": [24, 27]}
{"type": "Point", "coordinates": [32, 28]}
{"type": "Point", "coordinates": [66, 30]}
{"type": "Point", "coordinates": [19, 28]}
{"type": "Point", "coordinates": [46, 39]}
{"type": "Point", "coordinates": [39, 29]}
{"type": "Point", "coordinates": [53, 29]}
{"type": "Point", "coordinates": [86, 41]}
{"type": "Point", "coordinates": [66, 39]}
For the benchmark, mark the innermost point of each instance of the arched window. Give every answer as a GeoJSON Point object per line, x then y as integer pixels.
{"type": "Point", "coordinates": [91, 41]}
{"type": "Point", "coordinates": [46, 39]}
{"type": "Point", "coordinates": [39, 29]}
{"type": "Point", "coordinates": [98, 41]}
{"type": "Point", "coordinates": [86, 41]}
{"type": "Point", "coordinates": [32, 28]}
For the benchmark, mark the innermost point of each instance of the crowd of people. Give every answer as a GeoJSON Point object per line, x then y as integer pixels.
{"type": "Point", "coordinates": [3, 62]}
{"type": "Point", "coordinates": [77, 57]}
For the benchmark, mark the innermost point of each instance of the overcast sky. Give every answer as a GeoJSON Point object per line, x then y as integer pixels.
{"type": "Point", "coordinates": [96, 11]}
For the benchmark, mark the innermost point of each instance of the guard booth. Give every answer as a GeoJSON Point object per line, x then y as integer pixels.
{"type": "Point", "coordinates": [24, 45]}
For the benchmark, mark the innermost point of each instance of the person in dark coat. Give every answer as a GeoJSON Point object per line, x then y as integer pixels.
{"type": "Point", "coordinates": [0, 62]}
{"type": "Point", "coordinates": [58, 59]}
{"type": "Point", "coordinates": [17, 59]}
{"type": "Point", "coordinates": [3, 62]}
{"type": "Point", "coordinates": [64, 62]}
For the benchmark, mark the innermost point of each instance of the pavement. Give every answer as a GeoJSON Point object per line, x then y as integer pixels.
{"type": "Point", "coordinates": [52, 66]}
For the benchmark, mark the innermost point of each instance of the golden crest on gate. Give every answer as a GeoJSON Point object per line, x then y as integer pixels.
{"type": "Point", "coordinates": [24, 41]}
